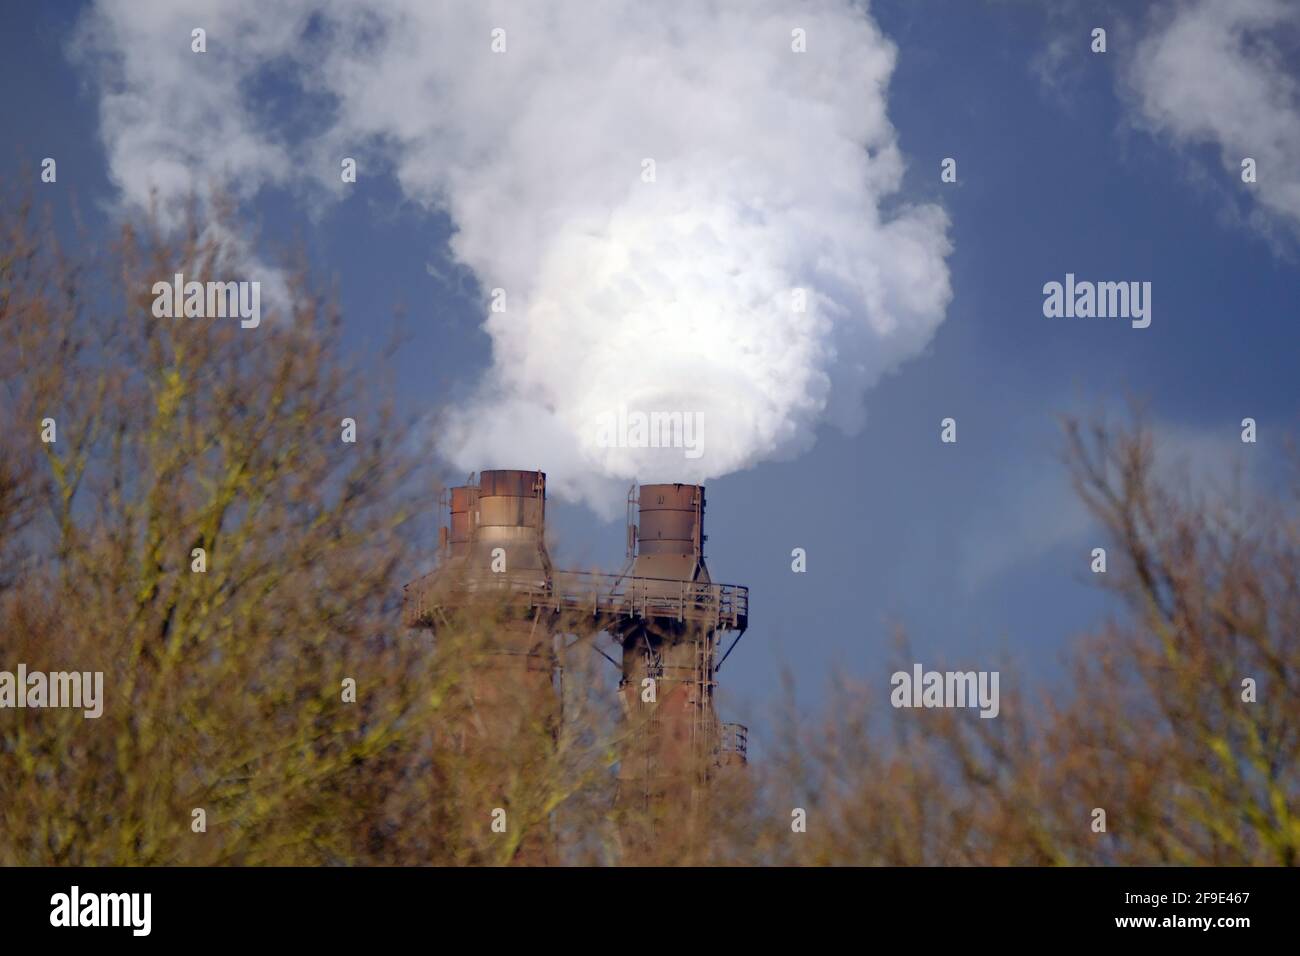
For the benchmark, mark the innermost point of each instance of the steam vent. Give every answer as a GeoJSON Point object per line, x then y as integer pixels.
{"type": "Point", "coordinates": [663, 609]}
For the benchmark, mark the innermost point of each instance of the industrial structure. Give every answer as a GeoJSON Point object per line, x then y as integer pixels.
{"type": "Point", "coordinates": [663, 610]}
{"type": "Point", "coordinates": [492, 558]}
{"type": "Point", "coordinates": [670, 647]}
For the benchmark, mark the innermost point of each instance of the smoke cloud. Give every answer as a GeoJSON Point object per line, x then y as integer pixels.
{"type": "Point", "coordinates": [653, 187]}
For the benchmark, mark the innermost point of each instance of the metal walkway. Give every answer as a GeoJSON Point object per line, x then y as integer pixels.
{"type": "Point", "coordinates": [608, 597]}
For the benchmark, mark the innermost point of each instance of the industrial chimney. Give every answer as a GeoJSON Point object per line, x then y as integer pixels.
{"type": "Point", "coordinates": [664, 609]}
{"type": "Point", "coordinates": [670, 535]}
{"type": "Point", "coordinates": [495, 575]}
{"type": "Point", "coordinates": [670, 651]}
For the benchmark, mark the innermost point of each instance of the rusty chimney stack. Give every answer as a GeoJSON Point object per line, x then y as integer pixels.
{"type": "Point", "coordinates": [670, 537]}
{"type": "Point", "coordinates": [494, 569]}
{"type": "Point", "coordinates": [509, 527]}
{"type": "Point", "coordinates": [670, 652]}
{"type": "Point", "coordinates": [498, 527]}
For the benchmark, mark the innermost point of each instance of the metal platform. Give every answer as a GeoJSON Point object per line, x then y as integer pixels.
{"type": "Point", "coordinates": [608, 598]}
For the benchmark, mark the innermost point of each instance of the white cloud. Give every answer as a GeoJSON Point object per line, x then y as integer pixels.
{"type": "Point", "coordinates": [1224, 74]}
{"type": "Point", "coordinates": [772, 167]}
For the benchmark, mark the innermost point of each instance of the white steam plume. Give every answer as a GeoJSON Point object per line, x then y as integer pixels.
{"type": "Point", "coordinates": [771, 168]}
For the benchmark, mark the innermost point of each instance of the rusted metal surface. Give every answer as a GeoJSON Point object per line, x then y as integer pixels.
{"type": "Point", "coordinates": [670, 519]}
{"type": "Point", "coordinates": [498, 526]}
{"type": "Point", "coordinates": [512, 483]}
{"type": "Point", "coordinates": [463, 504]}
{"type": "Point", "coordinates": [669, 538]}
{"type": "Point", "coordinates": [512, 499]}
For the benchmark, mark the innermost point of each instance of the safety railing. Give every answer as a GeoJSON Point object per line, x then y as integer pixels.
{"type": "Point", "coordinates": [721, 606]}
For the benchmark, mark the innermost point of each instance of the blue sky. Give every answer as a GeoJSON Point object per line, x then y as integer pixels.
{"type": "Point", "coordinates": [1066, 163]}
